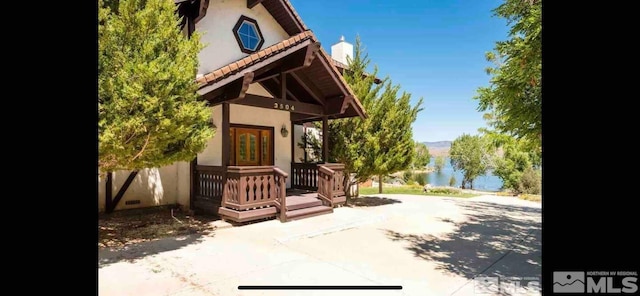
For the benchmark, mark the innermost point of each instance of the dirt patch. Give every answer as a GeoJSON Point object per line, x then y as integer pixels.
{"type": "Point", "coordinates": [128, 227]}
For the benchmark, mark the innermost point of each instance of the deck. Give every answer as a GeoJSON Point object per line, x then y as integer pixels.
{"type": "Point", "coordinates": [252, 193]}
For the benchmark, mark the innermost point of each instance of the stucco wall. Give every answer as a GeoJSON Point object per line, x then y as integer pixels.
{"type": "Point", "coordinates": [153, 187]}
{"type": "Point", "coordinates": [217, 26]}
{"type": "Point", "coordinates": [240, 114]}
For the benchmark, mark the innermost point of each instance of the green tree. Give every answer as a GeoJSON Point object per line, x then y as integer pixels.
{"type": "Point", "coordinates": [469, 154]}
{"type": "Point", "coordinates": [439, 163]}
{"type": "Point", "coordinates": [390, 145]}
{"type": "Point", "coordinates": [312, 146]}
{"type": "Point", "coordinates": [515, 158]}
{"type": "Point", "coordinates": [422, 156]}
{"type": "Point", "coordinates": [149, 112]}
{"type": "Point", "coordinates": [348, 136]}
{"type": "Point", "coordinates": [382, 143]}
{"type": "Point", "coordinates": [514, 97]}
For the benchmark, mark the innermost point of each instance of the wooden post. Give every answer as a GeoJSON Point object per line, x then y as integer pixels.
{"type": "Point", "coordinates": [108, 193]}
{"type": "Point", "coordinates": [192, 181]}
{"type": "Point", "coordinates": [325, 139]}
{"type": "Point", "coordinates": [226, 147]}
{"type": "Point", "coordinates": [283, 84]}
{"type": "Point", "coordinates": [226, 137]}
{"type": "Point", "coordinates": [293, 145]}
{"type": "Point", "coordinates": [283, 198]}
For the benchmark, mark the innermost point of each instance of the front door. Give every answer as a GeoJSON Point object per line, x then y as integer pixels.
{"type": "Point", "coordinates": [251, 146]}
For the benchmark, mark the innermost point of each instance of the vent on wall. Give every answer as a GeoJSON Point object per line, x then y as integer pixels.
{"type": "Point", "coordinates": [132, 202]}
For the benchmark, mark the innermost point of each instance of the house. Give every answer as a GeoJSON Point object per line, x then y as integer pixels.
{"type": "Point", "coordinates": [264, 75]}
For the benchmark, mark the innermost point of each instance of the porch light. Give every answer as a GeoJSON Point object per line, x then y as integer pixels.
{"type": "Point", "coordinates": [284, 131]}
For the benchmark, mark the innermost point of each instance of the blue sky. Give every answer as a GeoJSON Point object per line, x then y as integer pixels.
{"type": "Point", "coordinates": [435, 49]}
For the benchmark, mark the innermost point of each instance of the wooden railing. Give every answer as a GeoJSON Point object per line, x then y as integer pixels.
{"type": "Point", "coordinates": [325, 185]}
{"type": "Point", "coordinates": [249, 187]}
{"type": "Point", "coordinates": [309, 176]}
{"type": "Point", "coordinates": [338, 178]}
{"type": "Point", "coordinates": [304, 176]}
{"type": "Point", "coordinates": [208, 181]}
{"type": "Point", "coordinates": [281, 192]}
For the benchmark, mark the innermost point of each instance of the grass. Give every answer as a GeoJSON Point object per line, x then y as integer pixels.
{"type": "Point", "coordinates": [416, 190]}
{"type": "Point", "coordinates": [531, 197]}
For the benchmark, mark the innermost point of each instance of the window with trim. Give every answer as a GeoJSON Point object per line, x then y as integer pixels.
{"type": "Point", "coordinates": [248, 35]}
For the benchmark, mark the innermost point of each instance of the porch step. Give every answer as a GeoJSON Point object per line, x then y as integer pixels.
{"type": "Point", "coordinates": [308, 212]}
{"type": "Point", "coordinates": [297, 202]}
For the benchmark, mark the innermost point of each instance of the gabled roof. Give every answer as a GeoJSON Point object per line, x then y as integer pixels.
{"type": "Point", "coordinates": [281, 10]}
{"type": "Point", "coordinates": [250, 60]}
{"type": "Point", "coordinates": [327, 82]}
{"type": "Point", "coordinates": [341, 67]}
{"type": "Point", "coordinates": [317, 77]}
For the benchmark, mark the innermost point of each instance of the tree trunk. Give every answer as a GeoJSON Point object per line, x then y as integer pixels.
{"type": "Point", "coordinates": [379, 183]}
{"type": "Point", "coordinates": [347, 186]}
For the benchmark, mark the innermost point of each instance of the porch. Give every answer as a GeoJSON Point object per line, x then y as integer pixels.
{"type": "Point", "coordinates": [248, 170]}
{"type": "Point", "coordinates": [246, 193]}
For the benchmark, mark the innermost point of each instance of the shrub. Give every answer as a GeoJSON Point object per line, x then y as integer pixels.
{"type": "Point", "coordinates": [420, 179]}
{"type": "Point", "coordinates": [407, 175]}
{"type": "Point", "coordinates": [445, 190]}
{"type": "Point", "coordinates": [411, 182]}
{"type": "Point", "coordinates": [452, 181]}
{"type": "Point", "coordinates": [530, 182]}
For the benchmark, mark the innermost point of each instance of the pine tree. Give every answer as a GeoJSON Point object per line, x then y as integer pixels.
{"type": "Point", "coordinates": [382, 143]}
{"type": "Point", "coordinates": [149, 112]}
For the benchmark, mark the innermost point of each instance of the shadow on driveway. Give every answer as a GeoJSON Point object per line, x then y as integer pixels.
{"type": "Point", "coordinates": [371, 201]}
{"type": "Point", "coordinates": [495, 240]}
{"type": "Point", "coordinates": [141, 250]}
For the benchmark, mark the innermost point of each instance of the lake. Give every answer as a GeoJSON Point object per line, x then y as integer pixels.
{"type": "Point", "coordinates": [487, 182]}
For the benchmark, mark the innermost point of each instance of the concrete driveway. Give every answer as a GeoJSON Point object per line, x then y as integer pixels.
{"type": "Point", "coordinates": [428, 245]}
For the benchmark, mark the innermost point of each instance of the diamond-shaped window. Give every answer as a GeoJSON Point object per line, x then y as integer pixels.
{"type": "Point", "coordinates": [248, 35]}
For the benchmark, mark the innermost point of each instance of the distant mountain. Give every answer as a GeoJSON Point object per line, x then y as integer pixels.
{"type": "Point", "coordinates": [439, 144]}
{"type": "Point", "coordinates": [440, 148]}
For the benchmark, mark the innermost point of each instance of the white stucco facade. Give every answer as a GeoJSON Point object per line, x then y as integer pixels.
{"type": "Point", "coordinates": [152, 187]}
{"type": "Point", "coordinates": [239, 114]}
{"type": "Point", "coordinates": [170, 184]}
{"type": "Point", "coordinates": [217, 32]}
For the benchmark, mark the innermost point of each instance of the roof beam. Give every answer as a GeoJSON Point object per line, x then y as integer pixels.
{"type": "Point", "coordinates": [232, 92]}
{"type": "Point", "coordinates": [210, 87]}
{"type": "Point", "coordinates": [253, 3]}
{"type": "Point", "coordinates": [295, 61]}
{"type": "Point", "coordinates": [301, 118]}
{"type": "Point", "coordinates": [311, 88]}
{"type": "Point", "coordinates": [289, 11]}
{"type": "Point", "coordinates": [337, 105]}
{"type": "Point", "coordinates": [279, 104]}
{"type": "Point", "coordinates": [289, 93]}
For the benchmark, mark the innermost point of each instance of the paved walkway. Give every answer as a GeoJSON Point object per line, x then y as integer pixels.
{"type": "Point", "coordinates": [429, 245]}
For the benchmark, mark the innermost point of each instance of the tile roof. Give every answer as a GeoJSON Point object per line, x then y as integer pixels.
{"type": "Point", "coordinates": [256, 57]}
{"type": "Point", "coordinates": [253, 58]}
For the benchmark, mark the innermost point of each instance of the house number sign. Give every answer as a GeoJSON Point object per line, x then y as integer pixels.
{"type": "Point", "coordinates": [284, 106]}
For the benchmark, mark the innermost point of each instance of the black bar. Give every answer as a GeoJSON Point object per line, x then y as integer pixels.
{"type": "Point", "coordinates": [319, 287]}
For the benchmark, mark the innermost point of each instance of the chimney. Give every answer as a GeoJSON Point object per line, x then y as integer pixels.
{"type": "Point", "coordinates": [341, 50]}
